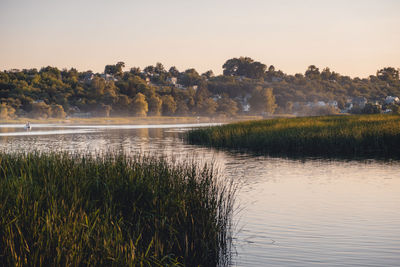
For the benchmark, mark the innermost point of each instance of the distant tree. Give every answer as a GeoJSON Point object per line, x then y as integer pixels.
{"type": "Point", "coordinates": [40, 110]}
{"type": "Point", "coordinates": [102, 110]}
{"type": "Point", "coordinates": [155, 104]}
{"type": "Point", "coordinates": [174, 71]}
{"type": "Point", "coordinates": [168, 105]}
{"type": "Point", "coordinates": [182, 108]}
{"type": "Point", "coordinates": [97, 86]}
{"type": "Point", "coordinates": [208, 107]}
{"type": "Point", "coordinates": [395, 108]}
{"type": "Point", "coordinates": [388, 74]}
{"type": "Point", "coordinates": [135, 71]}
{"type": "Point", "coordinates": [190, 77]}
{"type": "Point", "coordinates": [227, 106]}
{"type": "Point", "coordinates": [122, 105]}
{"type": "Point", "coordinates": [57, 111]}
{"type": "Point", "coordinates": [208, 74]}
{"type": "Point", "coordinates": [262, 100]}
{"type": "Point", "coordinates": [139, 105]}
{"type": "Point", "coordinates": [150, 70]}
{"type": "Point", "coordinates": [159, 68]}
{"type": "Point", "coordinates": [326, 74]}
{"type": "Point", "coordinates": [244, 66]}
{"type": "Point", "coordinates": [114, 69]}
{"type": "Point", "coordinates": [312, 73]}
{"type": "Point", "coordinates": [6, 111]}
{"type": "Point", "coordinates": [370, 108]}
{"type": "Point", "coordinates": [289, 107]}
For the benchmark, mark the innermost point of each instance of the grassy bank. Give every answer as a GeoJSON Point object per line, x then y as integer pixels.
{"type": "Point", "coordinates": [130, 120]}
{"type": "Point", "coordinates": [363, 135]}
{"type": "Point", "coordinates": [60, 209]}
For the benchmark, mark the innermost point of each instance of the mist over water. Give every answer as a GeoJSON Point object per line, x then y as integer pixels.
{"type": "Point", "coordinates": [290, 212]}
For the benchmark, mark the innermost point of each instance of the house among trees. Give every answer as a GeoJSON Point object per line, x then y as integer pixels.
{"type": "Point", "coordinates": [108, 77]}
{"type": "Point", "coordinates": [172, 80]}
{"type": "Point", "coordinates": [359, 102]}
{"type": "Point", "coordinates": [391, 100]}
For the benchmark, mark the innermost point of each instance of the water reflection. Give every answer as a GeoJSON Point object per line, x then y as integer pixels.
{"type": "Point", "coordinates": [291, 212]}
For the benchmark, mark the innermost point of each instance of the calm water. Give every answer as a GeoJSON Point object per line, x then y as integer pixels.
{"type": "Point", "coordinates": [290, 212]}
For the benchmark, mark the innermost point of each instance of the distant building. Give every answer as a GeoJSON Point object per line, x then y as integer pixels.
{"type": "Point", "coordinates": [391, 100]}
{"type": "Point", "coordinates": [333, 103]}
{"type": "Point", "coordinates": [108, 77]}
{"type": "Point", "coordinates": [88, 77]}
{"type": "Point", "coordinates": [359, 101]}
{"type": "Point", "coordinates": [172, 80]}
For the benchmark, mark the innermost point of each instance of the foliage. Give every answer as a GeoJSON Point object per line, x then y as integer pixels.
{"type": "Point", "coordinates": [356, 135]}
{"type": "Point", "coordinates": [227, 106]}
{"type": "Point", "coordinates": [6, 111]}
{"type": "Point", "coordinates": [155, 104]}
{"type": "Point", "coordinates": [110, 210]}
{"type": "Point", "coordinates": [262, 101]}
{"type": "Point", "coordinates": [90, 92]}
{"type": "Point", "coordinates": [168, 105]}
{"type": "Point", "coordinates": [139, 105]}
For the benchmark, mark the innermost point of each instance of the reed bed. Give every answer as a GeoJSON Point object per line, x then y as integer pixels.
{"type": "Point", "coordinates": [62, 209]}
{"type": "Point", "coordinates": [356, 135]}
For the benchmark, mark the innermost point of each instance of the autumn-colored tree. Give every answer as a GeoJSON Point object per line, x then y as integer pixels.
{"type": "Point", "coordinates": [168, 105]}
{"type": "Point", "coordinates": [57, 111]}
{"type": "Point", "coordinates": [155, 104]}
{"type": "Point", "coordinates": [40, 110]}
{"type": "Point", "coordinates": [139, 105]}
{"type": "Point", "coordinates": [6, 111]}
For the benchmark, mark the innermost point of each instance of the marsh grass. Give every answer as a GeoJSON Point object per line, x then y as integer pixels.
{"type": "Point", "coordinates": [62, 209]}
{"type": "Point", "coordinates": [362, 135]}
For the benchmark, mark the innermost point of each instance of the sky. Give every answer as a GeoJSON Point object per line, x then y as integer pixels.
{"type": "Point", "coordinates": [352, 37]}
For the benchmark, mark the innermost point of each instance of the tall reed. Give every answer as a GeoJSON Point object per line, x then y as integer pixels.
{"type": "Point", "coordinates": [62, 209]}
{"type": "Point", "coordinates": [371, 135]}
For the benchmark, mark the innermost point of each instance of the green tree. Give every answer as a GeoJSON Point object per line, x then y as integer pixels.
{"type": "Point", "coordinates": [173, 71]}
{"type": "Point", "coordinates": [122, 105]}
{"type": "Point", "coordinates": [227, 106]}
{"type": "Point", "coordinates": [114, 69]}
{"type": "Point", "coordinates": [289, 107]}
{"type": "Point", "coordinates": [244, 66]}
{"type": "Point", "coordinates": [155, 104]}
{"type": "Point", "coordinates": [262, 100]}
{"type": "Point", "coordinates": [312, 73]}
{"type": "Point", "coordinates": [388, 74]}
{"type": "Point", "coordinates": [40, 110]}
{"type": "Point", "coordinates": [182, 108]}
{"type": "Point", "coordinates": [370, 108]}
{"type": "Point", "coordinates": [140, 106]}
{"type": "Point", "coordinates": [168, 105]}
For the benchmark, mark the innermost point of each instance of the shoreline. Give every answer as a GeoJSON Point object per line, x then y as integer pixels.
{"type": "Point", "coordinates": [130, 120]}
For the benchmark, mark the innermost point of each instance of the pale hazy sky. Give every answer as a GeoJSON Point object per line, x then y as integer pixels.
{"type": "Point", "coordinates": [352, 37]}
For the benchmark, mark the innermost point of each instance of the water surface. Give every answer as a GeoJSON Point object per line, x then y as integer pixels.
{"type": "Point", "coordinates": [290, 212]}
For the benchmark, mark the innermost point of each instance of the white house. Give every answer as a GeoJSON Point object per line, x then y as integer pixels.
{"type": "Point", "coordinates": [172, 80]}
{"type": "Point", "coordinates": [391, 99]}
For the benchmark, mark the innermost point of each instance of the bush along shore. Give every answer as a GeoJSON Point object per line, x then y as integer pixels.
{"type": "Point", "coordinates": [63, 209]}
{"type": "Point", "coordinates": [356, 135]}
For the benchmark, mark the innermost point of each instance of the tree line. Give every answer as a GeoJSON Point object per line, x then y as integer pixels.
{"type": "Point", "coordinates": [245, 87]}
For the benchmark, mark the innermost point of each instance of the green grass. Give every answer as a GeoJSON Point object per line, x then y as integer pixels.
{"type": "Point", "coordinates": [362, 135]}
{"type": "Point", "coordinates": [62, 209]}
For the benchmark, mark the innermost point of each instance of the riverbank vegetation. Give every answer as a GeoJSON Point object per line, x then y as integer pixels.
{"type": "Point", "coordinates": [131, 120]}
{"type": "Point", "coordinates": [110, 210]}
{"type": "Point", "coordinates": [246, 87]}
{"type": "Point", "coordinates": [355, 135]}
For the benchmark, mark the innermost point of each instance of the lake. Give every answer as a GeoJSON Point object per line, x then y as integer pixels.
{"type": "Point", "coordinates": [289, 212]}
